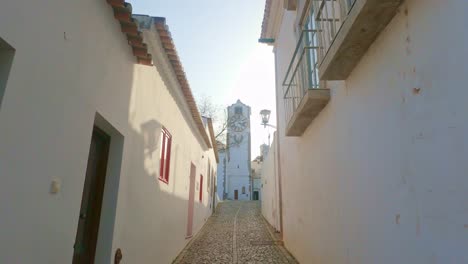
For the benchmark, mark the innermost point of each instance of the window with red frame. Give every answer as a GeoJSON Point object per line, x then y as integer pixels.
{"type": "Point", "coordinates": [165, 155]}
{"type": "Point", "coordinates": [201, 188]}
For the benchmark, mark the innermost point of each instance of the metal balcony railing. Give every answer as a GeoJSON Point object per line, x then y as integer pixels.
{"type": "Point", "coordinates": [319, 30]}
{"type": "Point", "coordinates": [329, 16]}
{"type": "Point", "coordinates": [302, 72]}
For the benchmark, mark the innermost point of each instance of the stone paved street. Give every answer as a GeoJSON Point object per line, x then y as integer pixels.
{"type": "Point", "coordinates": [236, 233]}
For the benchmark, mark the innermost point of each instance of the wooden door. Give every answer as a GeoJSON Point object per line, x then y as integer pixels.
{"type": "Point", "coordinates": [91, 200]}
{"type": "Point", "coordinates": [191, 200]}
{"type": "Point", "coordinates": [236, 194]}
{"type": "Point", "coordinates": [200, 198]}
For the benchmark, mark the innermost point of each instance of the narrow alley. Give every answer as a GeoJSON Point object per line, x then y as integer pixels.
{"type": "Point", "coordinates": [234, 132]}
{"type": "Point", "coordinates": [236, 233]}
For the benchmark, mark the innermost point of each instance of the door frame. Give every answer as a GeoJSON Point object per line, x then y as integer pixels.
{"type": "Point", "coordinates": [191, 201]}
{"type": "Point", "coordinates": [90, 219]}
{"type": "Point", "coordinates": [104, 247]}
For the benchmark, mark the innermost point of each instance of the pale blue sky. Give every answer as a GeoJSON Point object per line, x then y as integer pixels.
{"type": "Point", "coordinates": [217, 41]}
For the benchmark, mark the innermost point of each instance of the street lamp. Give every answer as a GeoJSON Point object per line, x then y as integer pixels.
{"type": "Point", "coordinates": [265, 113]}
{"type": "Point", "coordinates": [265, 117]}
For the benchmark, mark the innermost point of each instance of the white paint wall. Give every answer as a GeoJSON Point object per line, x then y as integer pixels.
{"type": "Point", "coordinates": [269, 179]}
{"type": "Point", "coordinates": [236, 183]}
{"type": "Point", "coordinates": [221, 174]}
{"type": "Point", "coordinates": [72, 61]}
{"type": "Point", "coordinates": [256, 167]}
{"type": "Point", "coordinates": [380, 176]}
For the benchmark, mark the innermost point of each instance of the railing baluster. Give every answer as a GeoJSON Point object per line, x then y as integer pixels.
{"type": "Point", "coordinates": [325, 19]}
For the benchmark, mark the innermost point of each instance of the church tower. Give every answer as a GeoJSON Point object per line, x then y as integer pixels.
{"type": "Point", "coordinates": [238, 180]}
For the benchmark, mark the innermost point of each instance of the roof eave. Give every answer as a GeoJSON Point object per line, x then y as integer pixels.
{"type": "Point", "coordinates": [171, 53]}
{"type": "Point", "coordinates": [159, 26]}
{"type": "Point", "coordinates": [213, 139]}
{"type": "Point", "coordinates": [271, 21]}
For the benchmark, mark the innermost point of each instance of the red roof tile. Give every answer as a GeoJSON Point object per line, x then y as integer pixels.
{"type": "Point", "coordinates": [123, 14]}
{"type": "Point", "coordinates": [169, 47]}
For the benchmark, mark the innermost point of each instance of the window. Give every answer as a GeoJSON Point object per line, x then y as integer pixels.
{"type": "Point", "coordinates": [165, 155]}
{"type": "Point", "coordinates": [6, 59]}
{"type": "Point", "coordinates": [243, 189]}
{"type": "Point", "coordinates": [238, 110]}
{"type": "Point", "coordinates": [200, 198]}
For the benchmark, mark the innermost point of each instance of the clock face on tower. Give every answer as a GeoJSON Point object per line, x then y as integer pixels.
{"type": "Point", "coordinates": [238, 123]}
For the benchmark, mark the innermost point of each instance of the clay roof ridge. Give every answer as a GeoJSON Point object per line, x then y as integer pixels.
{"type": "Point", "coordinates": [123, 14]}
{"type": "Point", "coordinates": [266, 16]}
{"type": "Point", "coordinates": [130, 27]}
{"type": "Point", "coordinates": [171, 53]}
{"type": "Point", "coordinates": [213, 139]}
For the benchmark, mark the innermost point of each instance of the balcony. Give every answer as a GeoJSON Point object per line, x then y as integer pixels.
{"type": "Point", "coordinates": [335, 35]}
{"type": "Point", "coordinates": [304, 94]}
{"type": "Point", "coordinates": [348, 28]}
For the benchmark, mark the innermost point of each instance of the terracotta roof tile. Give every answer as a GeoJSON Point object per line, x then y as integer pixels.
{"type": "Point", "coordinates": [213, 139]}
{"type": "Point", "coordinates": [123, 14]}
{"type": "Point", "coordinates": [171, 53]}
{"type": "Point", "coordinates": [266, 15]}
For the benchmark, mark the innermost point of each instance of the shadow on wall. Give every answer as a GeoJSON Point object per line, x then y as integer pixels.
{"type": "Point", "coordinates": [150, 222]}
{"type": "Point", "coordinates": [152, 214]}
{"type": "Point", "coordinates": [151, 131]}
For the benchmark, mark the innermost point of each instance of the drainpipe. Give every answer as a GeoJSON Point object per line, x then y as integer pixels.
{"type": "Point", "coordinates": [280, 192]}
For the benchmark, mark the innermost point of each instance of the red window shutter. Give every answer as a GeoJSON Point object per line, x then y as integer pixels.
{"type": "Point", "coordinates": [201, 188]}
{"type": "Point", "coordinates": [168, 159]}
{"type": "Point", "coordinates": [163, 153]}
{"type": "Point", "coordinates": [165, 157]}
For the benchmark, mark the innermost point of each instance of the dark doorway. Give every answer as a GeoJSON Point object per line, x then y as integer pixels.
{"type": "Point", "coordinates": [255, 195]}
{"type": "Point", "coordinates": [236, 194]}
{"type": "Point", "coordinates": [213, 191]}
{"type": "Point", "coordinates": [7, 53]}
{"type": "Point", "coordinates": [91, 201]}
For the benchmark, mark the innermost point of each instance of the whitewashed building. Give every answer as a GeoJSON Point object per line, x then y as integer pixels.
{"type": "Point", "coordinates": [256, 166]}
{"type": "Point", "coordinates": [103, 154]}
{"type": "Point", "coordinates": [238, 180]}
{"type": "Point", "coordinates": [372, 139]}
{"type": "Point", "coordinates": [270, 186]}
{"type": "Point", "coordinates": [221, 177]}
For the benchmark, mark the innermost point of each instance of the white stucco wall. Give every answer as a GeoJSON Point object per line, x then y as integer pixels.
{"type": "Point", "coordinates": [72, 61]}
{"type": "Point", "coordinates": [380, 176]}
{"type": "Point", "coordinates": [236, 183]}
{"type": "Point", "coordinates": [256, 167]}
{"type": "Point", "coordinates": [221, 174]}
{"type": "Point", "coordinates": [269, 181]}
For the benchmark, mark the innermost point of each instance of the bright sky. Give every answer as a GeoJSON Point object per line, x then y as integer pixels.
{"type": "Point", "coordinates": [217, 42]}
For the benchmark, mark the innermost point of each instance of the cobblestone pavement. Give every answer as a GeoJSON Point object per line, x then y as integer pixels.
{"type": "Point", "coordinates": [236, 233]}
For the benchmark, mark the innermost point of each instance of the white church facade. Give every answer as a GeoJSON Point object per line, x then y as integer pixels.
{"type": "Point", "coordinates": [237, 156]}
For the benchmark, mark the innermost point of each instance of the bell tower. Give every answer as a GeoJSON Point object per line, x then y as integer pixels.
{"type": "Point", "coordinates": [238, 180]}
